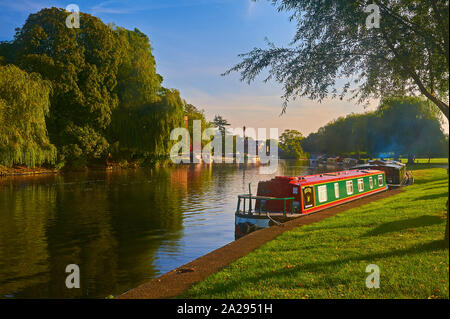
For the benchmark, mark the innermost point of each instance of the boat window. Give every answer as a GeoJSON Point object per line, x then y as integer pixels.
{"type": "Point", "coordinates": [360, 185]}
{"type": "Point", "coordinates": [370, 182]}
{"type": "Point", "coordinates": [322, 193]}
{"type": "Point", "coordinates": [295, 190]}
{"type": "Point", "coordinates": [349, 187]}
{"type": "Point", "coordinates": [336, 190]}
{"type": "Point", "coordinates": [380, 180]}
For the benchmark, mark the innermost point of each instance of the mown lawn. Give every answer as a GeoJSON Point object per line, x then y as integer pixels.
{"type": "Point", "coordinates": [401, 234]}
{"type": "Point", "coordinates": [443, 160]}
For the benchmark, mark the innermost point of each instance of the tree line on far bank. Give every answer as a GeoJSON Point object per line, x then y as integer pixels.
{"type": "Point", "coordinates": [401, 126]}
{"type": "Point", "coordinates": [71, 97]}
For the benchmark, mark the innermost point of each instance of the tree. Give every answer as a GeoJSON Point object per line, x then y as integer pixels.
{"type": "Point", "coordinates": [193, 113]}
{"type": "Point", "coordinates": [138, 83]}
{"type": "Point", "coordinates": [409, 126]}
{"type": "Point", "coordinates": [290, 144]}
{"type": "Point", "coordinates": [144, 132]}
{"type": "Point", "coordinates": [24, 103]}
{"type": "Point", "coordinates": [408, 53]}
{"type": "Point", "coordinates": [400, 126]}
{"type": "Point", "coordinates": [82, 65]}
{"type": "Point", "coordinates": [221, 124]}
{"type": "Point", "coordinates": [106, 94]}
{"type": "Point", "coordinates": [147, 112]}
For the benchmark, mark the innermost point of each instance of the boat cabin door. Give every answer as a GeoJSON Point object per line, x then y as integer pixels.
{"type": "Point", "coordinates": [308, 197]}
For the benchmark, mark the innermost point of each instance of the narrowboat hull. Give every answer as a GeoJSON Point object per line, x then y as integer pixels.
{"type": "Point", "coordinates": [284, 198]}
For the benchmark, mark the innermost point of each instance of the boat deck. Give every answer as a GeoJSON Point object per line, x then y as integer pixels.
{"type": "Point", "coordinates": [264, 215]}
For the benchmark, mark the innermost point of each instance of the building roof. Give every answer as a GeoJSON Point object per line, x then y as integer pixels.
{"type": "Point", "coordinates": [378, 163]}
{"type": "Point", "coordinates": [328, 177]}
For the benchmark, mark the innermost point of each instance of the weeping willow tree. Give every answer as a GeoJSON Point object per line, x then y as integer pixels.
{"type": "Point", "coordinates": [24, 103]}
{"type": "Point", "coordinates": [81, 63]}
{"type": "Point", "coordinates": [147, 112]}
{"type": "Point", "coordinates": [144, 131]}
{"type": "Point", "coordinates": [106, 94]}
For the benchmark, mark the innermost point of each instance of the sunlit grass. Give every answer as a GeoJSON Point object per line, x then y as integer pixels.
{"type": "Point", "coordinates": [443, 160]}
{"type": "Point", "coordinates": [402, 234]}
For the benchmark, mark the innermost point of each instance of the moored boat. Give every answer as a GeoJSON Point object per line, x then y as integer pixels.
{"type": "Point", "coordinates": [396, 173]}
{"type": "Point", "coordinates": [283, 198]}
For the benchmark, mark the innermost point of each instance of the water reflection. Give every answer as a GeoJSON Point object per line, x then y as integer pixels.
{"type": "Point", "coordinates": [122, 228]}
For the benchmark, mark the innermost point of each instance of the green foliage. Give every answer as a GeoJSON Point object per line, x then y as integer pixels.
{"type": "Point", "coordinates": [84, 144]}
{"type": "Point", "coordinates": [24, 103]}
{"type": "Point", "coordinates": [221, 123]}
{"type": "Point", "coordinates": [147, 112]}
{"type": "Point", "coordinates": [107, 101]}
{"type": "Point", "coordinates": [400, 126]}
{"type": "Point", "coordinates": [193, 113]}
{"type": "Point", "coordinates": [411, 126]}
{"type": "Point", "coordinates": [290, 145]}
{"type": "Point", "coordinates": [138, 83]}
{"type": "Point", "coordinates": [82, 65]}
{"type": "Point", "coordinates": [144, 131]}
{"type": "Point", "coordinates": [408, 53]}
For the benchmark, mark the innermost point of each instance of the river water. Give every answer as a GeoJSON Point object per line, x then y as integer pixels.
{"type": "Point", "coordinates": [121, 228]}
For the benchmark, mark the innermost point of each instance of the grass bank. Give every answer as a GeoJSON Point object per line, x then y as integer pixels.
{"type": "Point", "coordinates": [442, 160]}
{"type": "Point", "coordinates": [401, 234]}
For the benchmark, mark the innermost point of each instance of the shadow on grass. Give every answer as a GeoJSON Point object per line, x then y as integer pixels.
{"type": "Point", "coordinates": [227, 287]}
{"type": "Point", "coordinates": [427, 180]}
{"type": "Point", "coordinates": [438, 184]}
{"type": "Point", "coordinates": [403, 224]}
{"type": "Point", "coordinates": [417, 166]}
{"type": "Point", "coordinates": [434, 196]}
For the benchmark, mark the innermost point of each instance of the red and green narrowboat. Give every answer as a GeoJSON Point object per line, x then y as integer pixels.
{"type": "Point", "coordinates": [283, 198]}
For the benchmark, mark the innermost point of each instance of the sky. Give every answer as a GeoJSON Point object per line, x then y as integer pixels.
{"type": "Point", "coordinates": [194, 42]}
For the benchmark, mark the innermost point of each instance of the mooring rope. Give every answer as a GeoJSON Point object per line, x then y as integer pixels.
{"type": "Point", "coordinates": [277, 223]}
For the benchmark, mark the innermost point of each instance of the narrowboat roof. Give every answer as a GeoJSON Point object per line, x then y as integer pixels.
{"type": "Point", "coordinates": [392, 164]}
{"type": "Point", "coordinates": [328, 177]}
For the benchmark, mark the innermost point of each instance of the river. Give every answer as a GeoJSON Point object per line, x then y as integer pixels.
{"type": "Point", "coordinates": [121, 228]}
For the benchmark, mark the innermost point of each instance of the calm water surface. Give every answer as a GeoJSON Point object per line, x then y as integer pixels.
{"type": "Point", "coordinates": [122, 228]}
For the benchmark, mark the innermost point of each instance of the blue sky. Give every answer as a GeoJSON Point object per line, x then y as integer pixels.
{"type": "Point", "coordinates": [194, 41]}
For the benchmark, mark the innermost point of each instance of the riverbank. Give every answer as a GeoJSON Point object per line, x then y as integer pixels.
{"type": "Point", "coordinates": [23, 170]}
{"type": "Point", "coordinates": [181, 279]}
{"type": "Point", "coordinates": [402, 234]}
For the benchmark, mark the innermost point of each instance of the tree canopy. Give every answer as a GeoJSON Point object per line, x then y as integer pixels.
{"type": "Point", "coordinates": [408, 54]}
{"type": "Point", "coordinates": [24, 103]}
{"type": "Point", "coordinates": [106, 100]}
{"type": "Point", "coordinates": [82, 65]}
{"type": "Point", "coordinates": [290, 145]}
{"type": "Point", "coordinates": [400, 126]}
{"type": "Point", "coordinates": [221, 123]}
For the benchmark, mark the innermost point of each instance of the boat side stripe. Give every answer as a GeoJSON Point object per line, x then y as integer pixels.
{"type": "Point", "coordinates": [345, 199]}
{"type": "Point", "coordinates": [341, 179]}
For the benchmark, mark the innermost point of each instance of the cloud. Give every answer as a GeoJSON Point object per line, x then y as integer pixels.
{"type": "Point", "coordinates": [251, 7]}
{"type": "Point", "coordinates": [124, 7]}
